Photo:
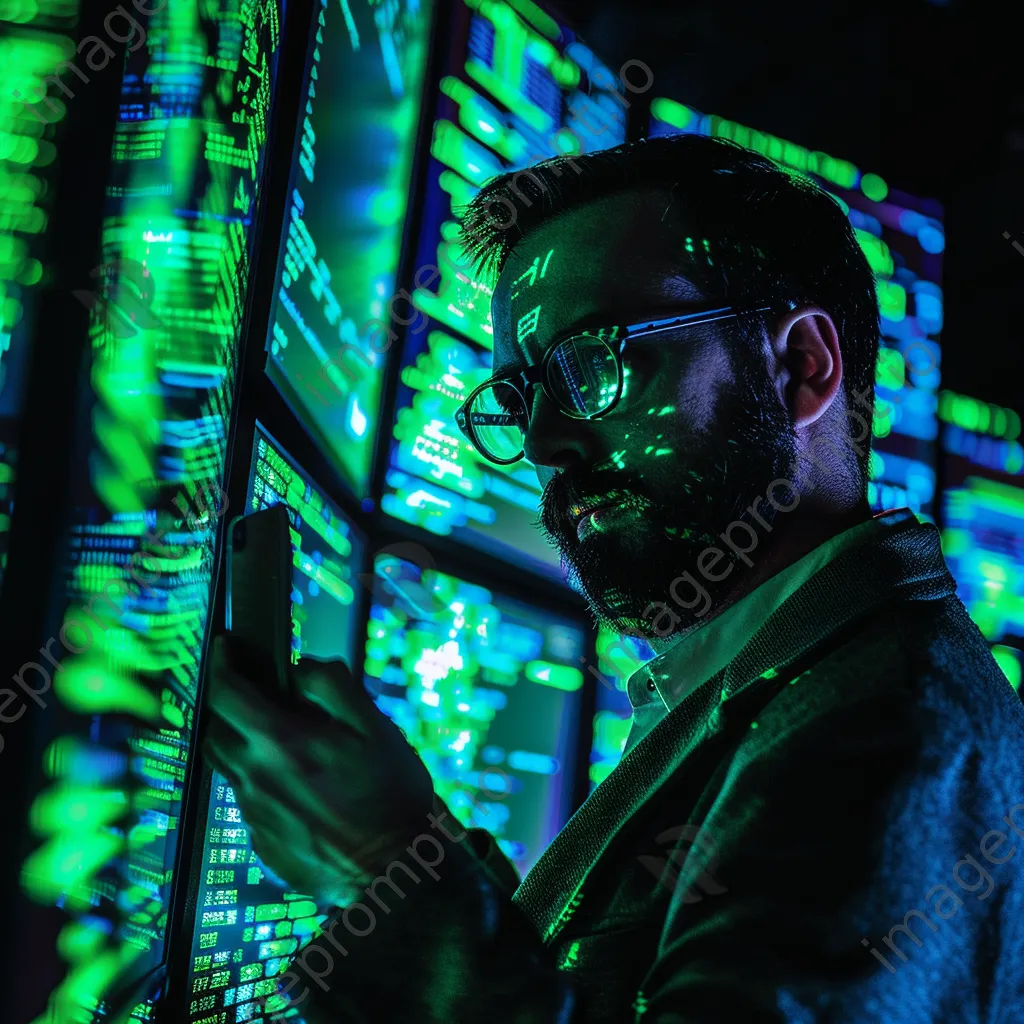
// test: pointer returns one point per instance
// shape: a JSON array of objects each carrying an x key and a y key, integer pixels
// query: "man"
[{"x": 818, "y": 809}]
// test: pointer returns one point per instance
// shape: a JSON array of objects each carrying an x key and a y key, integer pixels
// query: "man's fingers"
[
  {"x": 239, "y": 702},
  {"x": 332, "y": 686},
  {"x": 226, "y": 754}
]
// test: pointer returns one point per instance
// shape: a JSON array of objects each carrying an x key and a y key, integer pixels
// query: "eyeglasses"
[{"x": 582, "y": 374}]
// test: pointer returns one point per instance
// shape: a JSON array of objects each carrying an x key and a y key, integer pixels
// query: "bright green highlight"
[
  {"x": 874, "y": 187},
  {"x": 1009, "y": 660},
  {"x": 983, "y": 417},
  {"x": 892, "y": 300},
  {"x": 671, "y": 112},
  {"x": 561, "y": 677},
  {"x": 839, "y": 172},
  {"x": 877, "y": 252}
]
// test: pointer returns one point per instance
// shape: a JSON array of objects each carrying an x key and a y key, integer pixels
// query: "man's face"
[{"x": 632, "y": 498}]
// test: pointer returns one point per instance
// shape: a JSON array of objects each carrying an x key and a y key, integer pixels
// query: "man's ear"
[{"x": 806, "y": 344}]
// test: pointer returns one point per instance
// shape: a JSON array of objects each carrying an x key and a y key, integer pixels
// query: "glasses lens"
[
  {"x": 498, "y": 417},
  {"x": 583, "y": 375}
]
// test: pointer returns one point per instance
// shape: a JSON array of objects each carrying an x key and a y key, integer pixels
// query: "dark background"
[{"x": 929, "y": 95}]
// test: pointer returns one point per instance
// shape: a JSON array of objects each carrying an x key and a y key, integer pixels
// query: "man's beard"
[{"x": 628, "y": 571}]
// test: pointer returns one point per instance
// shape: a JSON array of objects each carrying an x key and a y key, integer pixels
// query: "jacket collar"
[{"x": 902, "y": 564}]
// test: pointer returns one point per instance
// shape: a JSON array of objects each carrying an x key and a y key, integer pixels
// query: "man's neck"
[{"x": 792, "y": 538}]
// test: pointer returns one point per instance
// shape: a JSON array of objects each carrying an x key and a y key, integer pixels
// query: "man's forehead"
[{"x": 611, "y": 258}]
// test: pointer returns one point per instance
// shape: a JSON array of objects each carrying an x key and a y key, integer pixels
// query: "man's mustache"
[{"x": 564, "y": 490}]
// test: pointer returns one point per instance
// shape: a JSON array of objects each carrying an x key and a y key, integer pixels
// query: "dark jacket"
[{"x": 854, "y": 775}]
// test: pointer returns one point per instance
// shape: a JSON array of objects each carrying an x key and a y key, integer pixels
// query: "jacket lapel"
[{"x": 905, "y": 564}]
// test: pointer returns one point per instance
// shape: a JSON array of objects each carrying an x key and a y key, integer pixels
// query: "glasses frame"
[{"x": 537, "y": 375}]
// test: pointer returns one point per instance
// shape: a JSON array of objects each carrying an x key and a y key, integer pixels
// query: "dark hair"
[{"x": 773, "y": 237}]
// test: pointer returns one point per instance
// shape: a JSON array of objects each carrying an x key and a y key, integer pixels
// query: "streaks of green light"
[
  {"x": 877, "y": 252},
  {"x": 454, "y": 148},
  {"x": 561, "y": 677},
  {"x": 65, "y": 865},
  {"x": 30, "y": 48},
  {"x": 671, "y": 112},
  {"x": 198, "y": 266},
  {"x": 892, "y": 300},
  {"x": 984, "y": 417},
  {"x": 90, "y": 685},
  {"x": 70, "y": 806},
  {"x": 535, "y": 16},
  {"x": 512, "y": 41},
  {"x": 998, "y": 497},
  {"x": 874, "y": 187},
  {"x": 839, "y": 172}
]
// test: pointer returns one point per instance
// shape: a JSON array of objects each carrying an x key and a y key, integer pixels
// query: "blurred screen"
[
  {"x": 342, "y": 241},
  {"x": 983, "y": 521},
  {"x": 168, "y": 303},
  {"x": 903, "y": 239},
  {"x": 487, "y": 690},
  {"x": 248, "y": 925},
  {"x": 617, "y": 659},
  {"x": 520, "y": 92}
]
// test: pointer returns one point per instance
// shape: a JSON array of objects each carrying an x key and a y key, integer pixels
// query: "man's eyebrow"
[{"x": 588, "y": 321}]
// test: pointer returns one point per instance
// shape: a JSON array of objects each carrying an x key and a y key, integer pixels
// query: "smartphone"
[{"x": 259, "y": 568}]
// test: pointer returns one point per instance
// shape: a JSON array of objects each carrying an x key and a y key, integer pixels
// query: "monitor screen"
[
  {"x": 982, "y": 519},
  {"x": 519, "y": 91},
  {"x": 342, "y": 241},
  {"x": 178, "y": 231},
  {"x": 488, "y": 691},
  {"x": 247, "y": 924},
  {"x": 903, "y": 239}
]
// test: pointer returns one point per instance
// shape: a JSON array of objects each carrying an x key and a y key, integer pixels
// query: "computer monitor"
[
  {"x": 982, "y": 520},
  {"x": 519, "y": 88},
  {"x": 488, "y": 691},
  {"x": 330, "y": 327},
  {"x": 178, "y": 230},
  {"x": 903, "y": 238},
  {"x": 247, "y": 924}
]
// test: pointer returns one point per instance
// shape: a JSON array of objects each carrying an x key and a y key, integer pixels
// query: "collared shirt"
[{"x": 684, "y": 662}]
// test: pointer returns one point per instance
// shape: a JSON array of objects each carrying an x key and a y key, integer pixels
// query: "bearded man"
[{"x": 816, "y": 815}]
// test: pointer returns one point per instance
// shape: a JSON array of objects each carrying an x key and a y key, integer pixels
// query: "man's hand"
[{"x": 331, "y": 790}]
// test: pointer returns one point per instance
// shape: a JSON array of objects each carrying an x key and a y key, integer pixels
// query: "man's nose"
[{"x": 554, "y": 441}]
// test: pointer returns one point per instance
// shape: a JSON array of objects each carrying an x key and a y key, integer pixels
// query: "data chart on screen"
[
  {"x": 330, "y": 331},
  {"x": 488, "y": 691}
]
